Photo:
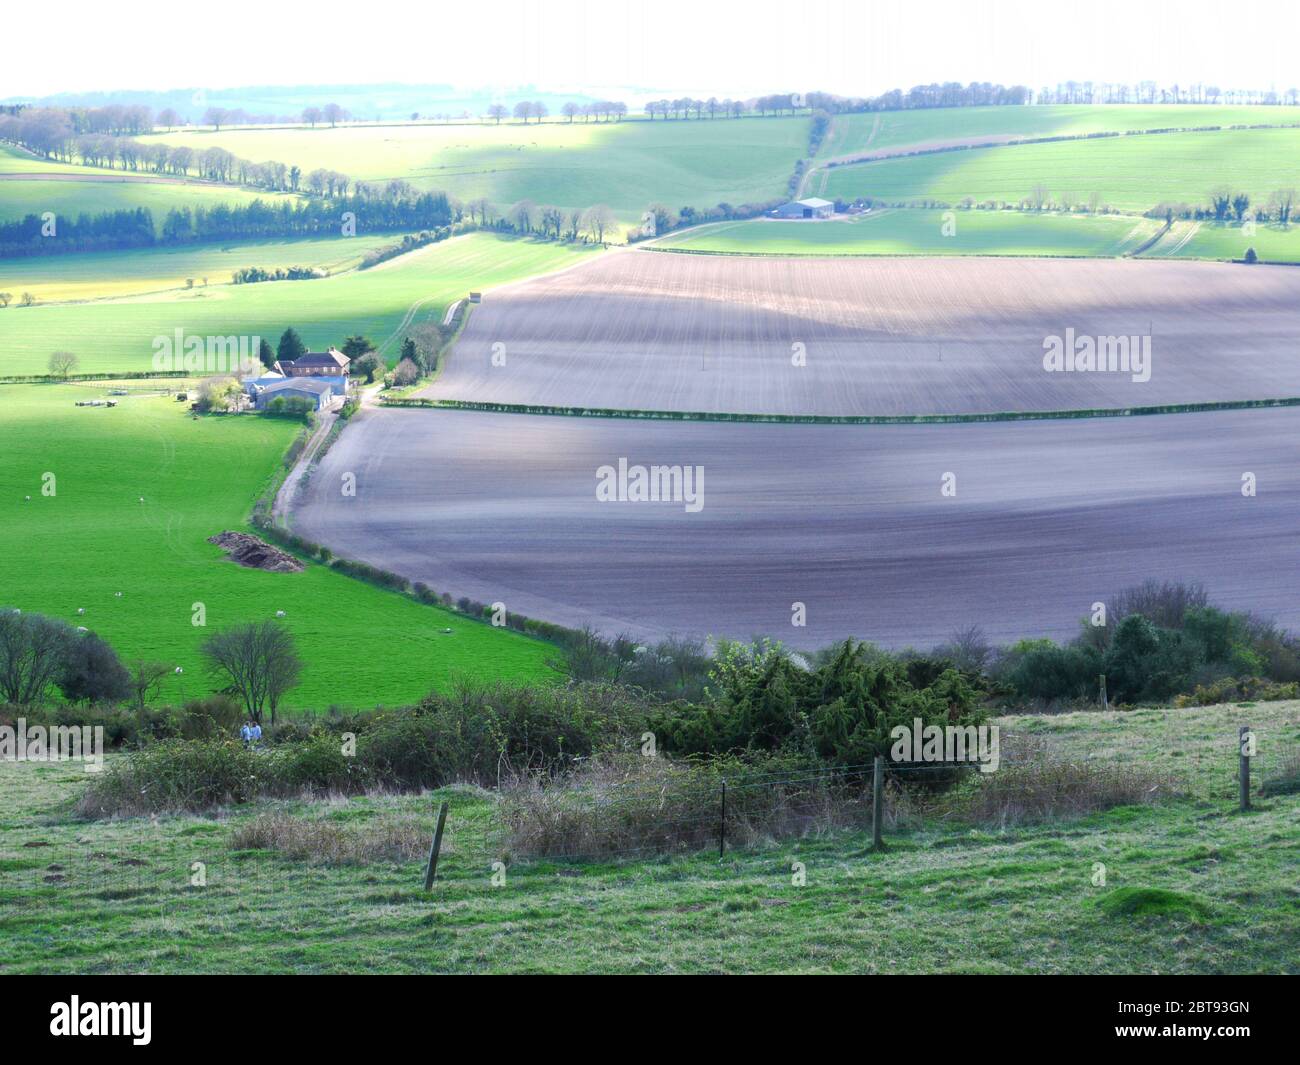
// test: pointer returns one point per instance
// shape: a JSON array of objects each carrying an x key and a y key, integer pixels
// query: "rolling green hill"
[
  {"x": 924, "y": 232},
  {"x": 93, "y": 192},
  {"x": 901, "y": 130},
  {"x": 108, "y": 274},
  {"x": 117, "y": 335},
  {"x": 626, "y": 165},
  {"x": 1130, "y": 173}
]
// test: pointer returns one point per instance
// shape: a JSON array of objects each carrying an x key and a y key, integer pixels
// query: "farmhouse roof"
[
  {"x": 813, "y": 201},
  {"x": 333, "y": 357}
]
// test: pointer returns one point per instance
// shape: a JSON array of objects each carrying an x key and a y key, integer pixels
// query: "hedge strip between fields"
[{"x": 840, "y": 419}]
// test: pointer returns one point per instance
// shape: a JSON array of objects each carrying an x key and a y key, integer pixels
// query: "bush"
[
  {"x": 216, "y": 717},
  {"x": 92, "y": 672},
  {"x": 630, "y": 805},
  {"x": 123, "y": 726},
  {"x": 1237, "y": 690},
  {"x": 475, "y": 734},
  {"x": 317, "y": 765},
  {"x": 479, "y": 734},
  {"x": 175, "y": 775},
  {"x": 841, "y": 711}
]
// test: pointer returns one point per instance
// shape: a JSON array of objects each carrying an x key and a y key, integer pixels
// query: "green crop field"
[
  {"x": 16, "y": 161},
  {"x": 626, "y": 165},
  {"x": 1220, "y": 240},
  {"x": 96, "y": 192},
  {"x": 901, "y": 130},
  {"x": 110, "y": 274},
  {"x": 1190, "y": 885},
  {"x": 925, "y": 232},
  {"x": 1129, "y": 173},
  {"x": 118, "y": 335},
  {"x": 139, "y": 489}
]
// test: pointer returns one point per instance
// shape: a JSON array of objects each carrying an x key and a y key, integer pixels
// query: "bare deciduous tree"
[
  {"x": 145, "y": 679},
  {"x": 259, "y": 660},
  {"x": 597, "y": 221},
  {"x": 62, "y": 363},
  {"x": 33, "y": 650}
]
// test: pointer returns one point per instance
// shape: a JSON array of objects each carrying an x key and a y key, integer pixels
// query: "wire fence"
[{"x": 625, "y": 816}]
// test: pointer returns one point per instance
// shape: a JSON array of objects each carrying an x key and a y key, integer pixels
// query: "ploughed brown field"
[
  {"x": 649, "y": 330},
  {"x": 1048, "y": 517}
]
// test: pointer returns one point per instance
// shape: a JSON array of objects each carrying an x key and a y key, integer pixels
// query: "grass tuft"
[{"x": 1152, "y": 902}]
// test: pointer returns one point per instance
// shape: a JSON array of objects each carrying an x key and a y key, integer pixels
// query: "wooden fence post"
[
  {"x": 722, "y": 824},
  {"x": 1243, "y": 766},
  {"x": 878, "y": 804},
  {"x": 435, "y": 848},
  {"x": 1105, "y": 701}
]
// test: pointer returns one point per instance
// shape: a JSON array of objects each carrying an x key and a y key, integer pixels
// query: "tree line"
[
  {"x": 1150, "y": 92},
  {"x": 111, "y": 230},
  {"x": 1226, "y": 204}
]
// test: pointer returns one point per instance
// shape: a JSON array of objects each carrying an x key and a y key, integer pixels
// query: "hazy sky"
[{"x": 702, "y": 47}]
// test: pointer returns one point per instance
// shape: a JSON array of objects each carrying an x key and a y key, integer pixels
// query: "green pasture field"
[
  {"x": 625, "y": 165},
  {"x": 138, "y": 490},
  {"x": 116, "y": 896},
  {"x": 110, "y": 274},
  {"x": 905, "y": 129},
  {"x": 922, "y": 232},
  {"x": 114, "y": 191},
  {"x": 1229, "y": 240},
  {"x": 117, "y": 335},
  {"x": 1127, "y": 173},
  {"x": 14, "y": 160}
]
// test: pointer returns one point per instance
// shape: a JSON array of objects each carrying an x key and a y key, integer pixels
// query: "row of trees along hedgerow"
[{"x": 259, "y": 219}]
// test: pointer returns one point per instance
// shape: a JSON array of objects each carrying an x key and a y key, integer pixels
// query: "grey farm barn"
[{"x": 810, "y": 208}]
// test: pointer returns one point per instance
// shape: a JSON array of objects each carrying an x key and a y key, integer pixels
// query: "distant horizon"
[
  {"x": 637, "y": 49},
  {"x": 291, "y": 95}
]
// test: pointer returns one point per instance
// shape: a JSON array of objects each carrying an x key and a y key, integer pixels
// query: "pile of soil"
[{"x": 256, "y": 554}]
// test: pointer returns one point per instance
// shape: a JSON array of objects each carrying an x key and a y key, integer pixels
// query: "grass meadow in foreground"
[
  {"x": 887, "y": 231},
  {"x": 1128, "y": 173},
  {"x": 140, "y": 488},
  {"x": 110, "y": 274},
  {"x": 381, "y": 303},
  {"x": 1191, "y": 885}
]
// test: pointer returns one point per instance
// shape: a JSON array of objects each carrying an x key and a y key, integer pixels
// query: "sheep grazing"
[{"x": 279, "y": 613}]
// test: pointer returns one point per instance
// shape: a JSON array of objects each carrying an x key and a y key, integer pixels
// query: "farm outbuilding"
[
  {"x": 318, "y": 393},
  {"x": 809, "y": 208}
]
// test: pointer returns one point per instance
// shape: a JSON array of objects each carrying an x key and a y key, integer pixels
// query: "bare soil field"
[
  {"x": 1048, "y": 517},
  {"x": 661, "y": 331}
]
